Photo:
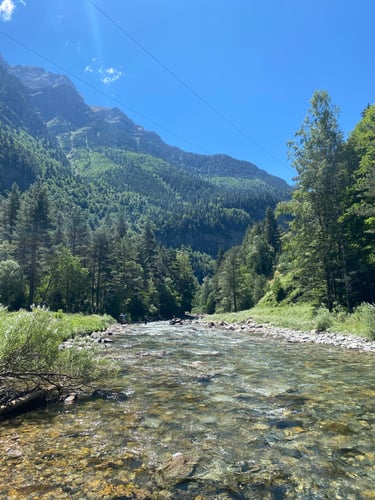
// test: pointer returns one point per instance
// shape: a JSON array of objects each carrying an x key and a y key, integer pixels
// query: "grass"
[
  {"x": 297, "y": 317},
  {"x": 74, "y": 325},
  {"x": 67, "y": 325},
  {"x": 305, "y": 317}
]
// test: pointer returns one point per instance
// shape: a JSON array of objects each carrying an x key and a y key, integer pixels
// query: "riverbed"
[{"x": 201, "y": 412}]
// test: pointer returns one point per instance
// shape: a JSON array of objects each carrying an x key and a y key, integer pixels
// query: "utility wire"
[
  {"x": 99, "y": 91},
  {"x": 183, "y": 83}
]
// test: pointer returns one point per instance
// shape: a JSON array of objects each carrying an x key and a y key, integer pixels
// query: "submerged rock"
[
  {"x": 109, "y": 395},
  {"x": 70, "y": 399},
  {"x": 177, "y": 469}
]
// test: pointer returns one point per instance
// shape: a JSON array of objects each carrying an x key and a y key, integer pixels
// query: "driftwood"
[{"x": 20, "y": 402}]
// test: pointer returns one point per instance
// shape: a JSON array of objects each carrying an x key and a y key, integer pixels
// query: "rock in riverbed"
[{"x": 177, "y": 469}]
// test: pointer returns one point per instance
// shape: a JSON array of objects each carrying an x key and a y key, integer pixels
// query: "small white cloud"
[
  {"x": 106, "y": 75},
  {"x": 110, "y": 75},
  {"x": 7, "y": 8}
]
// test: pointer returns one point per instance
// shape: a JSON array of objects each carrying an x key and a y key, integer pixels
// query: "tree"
[
  {"x": 271, "y": 231},
  {"x": 33, "y": 234},
  {"x": 360, "y": 214},
  {"x": 66, "y": 286},
  {"x": 127, "y": 288},
  {"x": 9, "y": 214},
  {"x": 11, "y": 285},
  {"x": 100, "y": 268},
  {"x": 229, "y": 280},
  {"x": 78, "y": 234},
  {"x": 317, "y": 203}
]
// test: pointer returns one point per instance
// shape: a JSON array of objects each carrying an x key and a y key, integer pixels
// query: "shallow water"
[{"x": 255, "y": 418}]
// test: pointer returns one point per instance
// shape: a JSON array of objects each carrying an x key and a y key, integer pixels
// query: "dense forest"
[
  {"x": 96, "y": 214},
  {"x": 326, "y": 253}
]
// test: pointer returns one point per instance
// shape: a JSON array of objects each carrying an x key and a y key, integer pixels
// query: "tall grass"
[
  {"x": 73, "y": 325},
  {"x": 305, "y": 317}
]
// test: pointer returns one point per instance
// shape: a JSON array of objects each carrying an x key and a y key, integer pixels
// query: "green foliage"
[
  {"x": 323, "y": 319},
  {"x": 328, "y": 252},
  {"x": 243, "y": 272},
  {"x": 66, "y": 284},
  {"x": 12, "y": 289},
  {"x": 31, "y": 357},
  {"x": 317, "y": 203},
  {"x": 364, "y": 315},
  {"x": 359, "y": 322}
]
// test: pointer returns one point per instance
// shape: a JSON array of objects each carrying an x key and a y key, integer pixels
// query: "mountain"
[{"x": 99, "y": 159}]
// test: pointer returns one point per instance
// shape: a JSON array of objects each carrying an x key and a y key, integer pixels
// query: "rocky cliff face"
[
  {"x": 55, "y": 98},
  {"x": 77, "y": 125},
  {"x": 16, "y": 107}
]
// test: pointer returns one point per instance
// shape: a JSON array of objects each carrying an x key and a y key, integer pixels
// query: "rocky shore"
[{"x": 316, "y": 337}]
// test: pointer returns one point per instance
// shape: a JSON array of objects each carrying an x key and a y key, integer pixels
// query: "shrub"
[
  {"x": 31, "y": 356},
  {"x": 366, "y": 315},
  {"x": 323, "y": 319}
]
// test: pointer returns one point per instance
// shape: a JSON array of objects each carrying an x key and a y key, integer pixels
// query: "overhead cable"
[
  {"x": 183, "y": 83},
  {"x": 99, "y": 91}
]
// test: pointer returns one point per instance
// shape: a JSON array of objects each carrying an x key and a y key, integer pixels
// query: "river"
[{"x": 204, "y": 413}]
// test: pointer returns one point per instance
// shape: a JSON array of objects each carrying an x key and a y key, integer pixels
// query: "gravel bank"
[{"x": 316, "y": 337}]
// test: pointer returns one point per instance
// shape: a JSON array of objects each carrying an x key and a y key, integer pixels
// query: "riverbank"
[{"x": 250, "y": 326}]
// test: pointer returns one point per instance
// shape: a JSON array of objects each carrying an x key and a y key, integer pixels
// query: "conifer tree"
[
  {"x": 317, "y": 203},
  {"x": 33, "y": 234}
]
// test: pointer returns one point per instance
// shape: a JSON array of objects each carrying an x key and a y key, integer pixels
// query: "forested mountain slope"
[{"x": 102, "y": 161}]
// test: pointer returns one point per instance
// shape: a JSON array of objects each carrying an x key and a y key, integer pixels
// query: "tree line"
[
  {"x": 322, "y": 251},
  {"x": 56, "y": 259},
  {"x": 62, "y": 247}
]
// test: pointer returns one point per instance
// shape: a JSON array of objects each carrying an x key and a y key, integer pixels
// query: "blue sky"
[{"x": 209, "y": 76}]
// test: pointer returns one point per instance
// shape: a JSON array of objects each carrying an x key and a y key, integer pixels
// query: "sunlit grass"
[
  {"x": 67, "y": 325},
  {"x": 73, "y": 325},
  {"x": 298, "y": 317},
  {"x": 305, "y": 317}
]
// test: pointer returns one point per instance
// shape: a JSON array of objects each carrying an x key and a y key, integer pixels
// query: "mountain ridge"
[
  {"x": 124, "y": 131},
  {"x": 100, "y": 160}
]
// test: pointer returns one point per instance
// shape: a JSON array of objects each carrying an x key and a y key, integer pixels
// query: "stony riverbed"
[
  {"x": 316, "y": 337},
  {"x": 200, "y": 411}
]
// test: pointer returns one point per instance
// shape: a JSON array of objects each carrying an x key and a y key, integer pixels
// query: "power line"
[
  {"x": 99, "y": 91},
  {"x": 183, "y": 83}
]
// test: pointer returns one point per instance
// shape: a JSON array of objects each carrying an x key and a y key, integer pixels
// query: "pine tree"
[
  {"x": 33, "y": 234},
  {"x": 317, "y": 203}
]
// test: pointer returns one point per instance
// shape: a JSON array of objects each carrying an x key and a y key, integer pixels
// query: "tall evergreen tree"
[
  {"x": 9, "y": 213},
  {"x": 229, "y": 280},
  {"x": 100, "y": 268},
  {"x": 360, "y": 213},
  {"x": 33, "y": 234},
  {"x": 317, "y": 203}
]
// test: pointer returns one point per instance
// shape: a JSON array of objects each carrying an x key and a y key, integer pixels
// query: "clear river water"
[{"x": 203, "y": 413}]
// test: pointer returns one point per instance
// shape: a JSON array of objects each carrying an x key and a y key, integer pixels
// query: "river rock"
[
  {"x": 347, "y": 341},
  {"x": 70, "y": 399},
  {"x": 109, "y": 395},
  {"x": 177, "y": 469}
]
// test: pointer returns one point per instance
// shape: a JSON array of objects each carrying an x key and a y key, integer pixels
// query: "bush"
[
  {"x": 323, "y": 319},
  {"x": 31, "y": 357},
  {"x": 366, "y": 316}
]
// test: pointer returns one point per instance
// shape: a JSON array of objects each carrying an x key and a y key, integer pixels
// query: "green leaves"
[{"x": 31, "y": 356}]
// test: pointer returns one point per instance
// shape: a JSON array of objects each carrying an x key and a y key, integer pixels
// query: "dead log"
[{"x": 36, "y": 396}]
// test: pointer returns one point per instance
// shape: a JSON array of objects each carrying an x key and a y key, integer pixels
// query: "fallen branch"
[{"x": 24, "y": 400}]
